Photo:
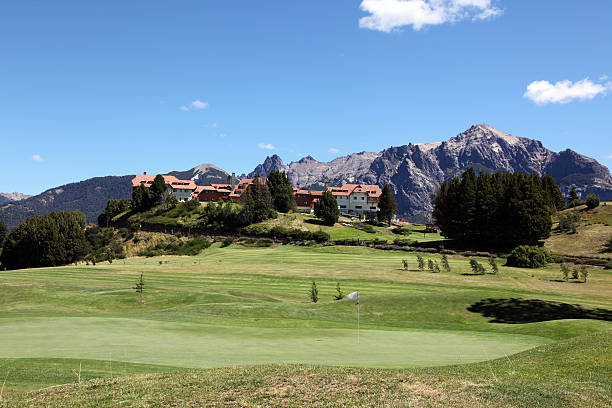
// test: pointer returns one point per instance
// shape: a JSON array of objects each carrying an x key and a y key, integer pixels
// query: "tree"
[
  {"x": 477, "y": 268},
  {"x": 574, "y": 200},
  {"x": 569, "y": 223},
  {"x": 387, "y": 207},
  {"x": 565, "y": 270},
  {"x": 57, "y": 238},
  {"x": 498, "y": 211},
  {"x": 140, "y": 284},
  {"x": 159, "y": 191},
  {"x": 314, "y": 292},
  {"x": 339, "y": 295},
  {"x": 436, "y": 267},
  {"x": 141, "y": 201},
  {"x": 592, "y": 201},
  {"x": 326, "y": 209},
  {"x": 553, "y": 193},
  {"x": 445, "y": 264},
  {"x": 420, "y": 262},
  {"x": 281, "y": 191},
  {"x": 113, "y": 208},
  {"x": 257, "y": 202},
  {"x": 405, "y": 263},
  {"x": 493, "y": 264},
  {"x": 3, "y": 234}
]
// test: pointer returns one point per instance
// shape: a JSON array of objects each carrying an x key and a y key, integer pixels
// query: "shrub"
[
  {"x": 405, "y": 263},
  {"x": 494, "y": 267},
  {"x": 584, "y": 273},
  {"x": 402, "y": 242},
  {"x": 401, "y": 230},
  {"x": 314, "y": 292},
  {"x": 565, "y": 270},
  {"x": 227, "y": 241},
  {"x": 608, "y": 265},
  {"x": 339, "y": 295},
  {"x": 569, "y": 222},
  {"x": 592, "y": 201},
  {"x": 477, "y": 267},
  {"x": 445, "y": 264},
  {"x": 420, "y": 262},
  {"x": 608, "y": 245},
  {"x": 436, "y": 268},
  {"x": 526, "y": 256},
  {"x": 430, "y": 265}
]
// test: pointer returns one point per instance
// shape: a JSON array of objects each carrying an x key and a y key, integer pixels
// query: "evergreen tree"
[
  {"x": 257, "y": 202},
  {"x": 326, "y": 209},
  {"x": 553, "y": 194},
  {"x": 592, "y": 201},
  {"x": 502, "y": 210},
  {"x": 386, "y": 205},
  {"x": 3, "y": 234},
  {"x": 574, "y": 200},
  {"x": 314, "y": 292},
  {"x": 281, "y": 191},
  {"x": 159, "y": 190},
  {"x": 57, "y": 238},
  {"x": 141, "y": 201},
  {"x": 445, "y": 263},
  {"x": 339, "y": 295},
  {"x": 113, "y": 208},
  {"x": 420, "y": 262}
]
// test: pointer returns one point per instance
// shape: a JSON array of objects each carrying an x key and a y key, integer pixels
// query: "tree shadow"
[
  {"x": 516, "y": 311},
  {"x": 314, "y": 221}
]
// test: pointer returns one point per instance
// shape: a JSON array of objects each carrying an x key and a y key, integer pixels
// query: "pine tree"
[
  {"x": 326, "y": 209},
  {"x": 314, "y": 292},
  {"x": 281, "y": 191},
  {"x": 339, "y": 295},
  {"x": 141, "y": 201},
  {"x": 445, "y": 263},
  {"x": 430, "y": 265},
  {"x": 257, "y": 202},
  {"x": 387, "y": 207},
  {"x": 553, "y": 194},
  {"x": 574, "y": 200},
  {"x": 494, "y": 267},
  {"x": 420, "y": 262},
  {"x": 158, "y": 191},
  {"x": 3, "y": 234}
]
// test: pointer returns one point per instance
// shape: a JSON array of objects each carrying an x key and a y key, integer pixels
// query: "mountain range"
[{"x": 414, "y": 171}]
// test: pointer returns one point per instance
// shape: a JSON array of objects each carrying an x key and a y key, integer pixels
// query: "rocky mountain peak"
[{"x": 272, "y": 163}]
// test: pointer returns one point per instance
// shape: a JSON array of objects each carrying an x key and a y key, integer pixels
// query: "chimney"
[
  {"x": 229, "y": 179},
  {"x": 145, "y": 173},
  {"x": 233, "y": 178}
]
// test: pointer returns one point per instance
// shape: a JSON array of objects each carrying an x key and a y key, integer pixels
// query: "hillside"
[
  {"x": 594, "y": 229},
  {"x": 89, "y": 196}
]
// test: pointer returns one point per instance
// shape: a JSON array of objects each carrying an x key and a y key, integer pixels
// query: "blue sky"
[{"x": 116, "y": 87}]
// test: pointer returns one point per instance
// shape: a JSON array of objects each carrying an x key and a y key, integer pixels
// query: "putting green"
[{"x": 198, "y": 345}]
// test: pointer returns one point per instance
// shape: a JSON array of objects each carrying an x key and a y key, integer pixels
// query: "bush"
[
  {"x": 401, "y": 230},
  {"x": 227, "y": 242},
  {"x": 477, "y": 268},
  {"x": 526, "y": 256},
  {"x": 608, "y": 265},
  {"x": 420, "y": 262},
  {"x": 569, "y": 222},
  {"x": 608, "y": 245},
  {"x": 592, "y": 201},
  {"x": 445, "y": 264}
]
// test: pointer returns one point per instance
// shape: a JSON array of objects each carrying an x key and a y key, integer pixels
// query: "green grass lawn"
[{"x": 240, "y": 306}]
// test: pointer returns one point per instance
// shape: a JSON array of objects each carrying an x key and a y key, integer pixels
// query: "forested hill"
[{"x": 89, "y": 196}]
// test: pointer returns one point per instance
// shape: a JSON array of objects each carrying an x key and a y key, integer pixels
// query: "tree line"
[{"x": 501, "y": 210}]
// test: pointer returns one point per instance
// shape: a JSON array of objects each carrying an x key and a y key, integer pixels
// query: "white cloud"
[
  {"x": 389, "y": 15},
  {"x": 542, "y": 92},
  {"x": 195, "y": 105},
  {"x": 333, "y": 150},
  {"x": 38, "y": 158},
  {"x": 266, "y": 146}
]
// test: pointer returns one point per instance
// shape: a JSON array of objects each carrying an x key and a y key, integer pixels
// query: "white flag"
[{"x": 353, "y": 296}]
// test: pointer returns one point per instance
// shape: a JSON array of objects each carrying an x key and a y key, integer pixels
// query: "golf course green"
[{"x": 239, "y": 306}]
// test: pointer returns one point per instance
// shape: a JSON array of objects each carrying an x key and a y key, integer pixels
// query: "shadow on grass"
[
  {"x": 534, "y": 310},
  {"x": 314, "y": 221}
]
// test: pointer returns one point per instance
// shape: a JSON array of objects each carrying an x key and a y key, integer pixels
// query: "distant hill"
[
  {"x": 414, "y": 171},
  {"x": 89, "y": 196}
]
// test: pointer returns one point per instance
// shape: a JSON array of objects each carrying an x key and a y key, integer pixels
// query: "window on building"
[
  {"x": 358, "y": 207},
  {"x": 343, "y": 206}
]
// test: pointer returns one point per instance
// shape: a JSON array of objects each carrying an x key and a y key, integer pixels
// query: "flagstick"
[{"x": 357, "y": 321}]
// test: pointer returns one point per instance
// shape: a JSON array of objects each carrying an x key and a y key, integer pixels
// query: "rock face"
[
  {"x": 203, "y": 175},
  {"x": 6, "y": 197},
  {"x": 415, "y": 171}
]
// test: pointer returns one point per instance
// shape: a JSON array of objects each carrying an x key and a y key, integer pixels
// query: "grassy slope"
[
  {"x": 339, "y": 231},
  {"x": 574, "y": 372},
  {"x": 594, "y": 230}
]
